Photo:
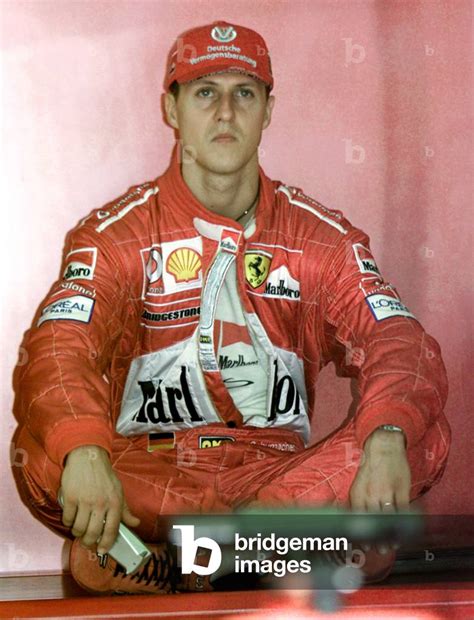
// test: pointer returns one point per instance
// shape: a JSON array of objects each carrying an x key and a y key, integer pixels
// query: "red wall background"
[{"x": 373, "y": 117}]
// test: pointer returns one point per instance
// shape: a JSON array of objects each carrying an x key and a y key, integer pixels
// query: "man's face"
[{"x": 220, "y": 119}]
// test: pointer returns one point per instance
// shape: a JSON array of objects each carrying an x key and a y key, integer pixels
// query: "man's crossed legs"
[{"x": 250, "y": 467}]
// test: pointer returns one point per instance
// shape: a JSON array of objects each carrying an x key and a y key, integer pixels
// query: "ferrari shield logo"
[{"x": 257, "y": 265}]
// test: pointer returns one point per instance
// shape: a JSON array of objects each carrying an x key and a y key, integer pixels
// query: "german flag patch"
[{"x": 160, "y": 441}]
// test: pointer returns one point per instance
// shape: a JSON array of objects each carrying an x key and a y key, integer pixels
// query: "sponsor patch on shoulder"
[
  {"x": 81, "y": 264},
  {"x": 384, "y": 307},
  {"x": 332, "y": 212},
  {"x": 365, "y": 260},
  {"x": 77, "y": 288},
  {"x": 76, "y": 308}
]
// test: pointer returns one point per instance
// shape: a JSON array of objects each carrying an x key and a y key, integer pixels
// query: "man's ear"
[
  {"x": 170, "y": 110},
  {"x": 268, "y": 111}
]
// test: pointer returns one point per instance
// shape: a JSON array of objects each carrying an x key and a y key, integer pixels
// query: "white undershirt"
[{"x": 245, "y": 376}]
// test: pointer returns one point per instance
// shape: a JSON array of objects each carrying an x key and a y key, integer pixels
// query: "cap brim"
[{"x": 191, "y": 76}]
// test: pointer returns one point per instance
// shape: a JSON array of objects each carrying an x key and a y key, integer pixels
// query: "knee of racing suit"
[
  {"x": 429, "y": 457},
  {"x": 38, "y": 480}
]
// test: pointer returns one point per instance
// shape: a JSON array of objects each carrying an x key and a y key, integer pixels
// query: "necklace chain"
[{"x": 237, "y": 219}]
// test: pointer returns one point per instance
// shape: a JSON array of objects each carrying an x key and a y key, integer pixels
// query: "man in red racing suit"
[{"x": 179, "y": 349}]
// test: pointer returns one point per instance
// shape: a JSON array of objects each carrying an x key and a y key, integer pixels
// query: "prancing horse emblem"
[{"x": 257, "y": 265}]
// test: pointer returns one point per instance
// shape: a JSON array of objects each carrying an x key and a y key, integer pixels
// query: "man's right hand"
[{"x": 93, "y": 500}]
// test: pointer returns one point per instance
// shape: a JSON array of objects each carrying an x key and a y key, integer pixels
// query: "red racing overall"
[{"x": 122, "y": 355}]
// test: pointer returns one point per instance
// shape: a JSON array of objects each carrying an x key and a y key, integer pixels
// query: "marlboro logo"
[{"x": 230, "y": 240}]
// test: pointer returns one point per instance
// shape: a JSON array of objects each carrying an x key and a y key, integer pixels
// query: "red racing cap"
[{"x": 216, "y": 48}]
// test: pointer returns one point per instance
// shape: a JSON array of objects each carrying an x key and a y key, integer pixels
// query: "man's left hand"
[{"x": 383, "y": 480}]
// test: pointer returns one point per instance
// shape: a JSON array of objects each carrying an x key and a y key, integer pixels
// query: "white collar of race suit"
[{"x": 213, "y": 231}]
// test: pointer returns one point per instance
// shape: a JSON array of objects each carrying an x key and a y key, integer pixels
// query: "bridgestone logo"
[
  {"x": 171, "y": 316},
  {"x": 281, "y": 290}
]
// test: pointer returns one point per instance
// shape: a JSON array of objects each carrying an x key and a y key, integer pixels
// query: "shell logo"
[{"x": 184, "y": 264}]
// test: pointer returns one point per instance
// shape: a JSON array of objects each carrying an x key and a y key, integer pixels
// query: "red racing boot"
[
  {"x": 159, "y": 575},
  {"x": 105, "y": 576},
  {"x": 378, "y": 566},
  {"x": 194, "y": 582},
  {"x": 374, "y": 566}
]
